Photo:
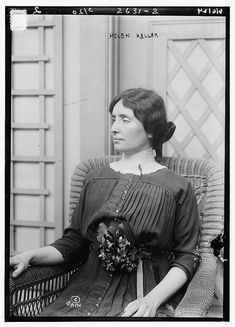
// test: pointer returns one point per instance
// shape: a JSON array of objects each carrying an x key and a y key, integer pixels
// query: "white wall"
[
  {"x": 134, "y": 53},
  {"x": 93, "y": 85},
  {"x": 84, "y": 93},
  {"x": 71, "y": 53}
]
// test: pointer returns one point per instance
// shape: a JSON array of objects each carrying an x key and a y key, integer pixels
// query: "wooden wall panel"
[
  {"x": 188, "y": 61},
  {"x": 37, "y": 128}
]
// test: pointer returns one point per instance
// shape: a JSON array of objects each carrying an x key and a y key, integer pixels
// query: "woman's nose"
[{"x": 115, "y": 127}]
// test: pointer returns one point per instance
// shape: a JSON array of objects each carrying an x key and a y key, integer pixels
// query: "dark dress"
[{"x": 161, "y": 211}]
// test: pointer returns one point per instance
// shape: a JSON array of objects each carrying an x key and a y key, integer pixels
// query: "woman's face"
[{"x": 128, "y": 133}]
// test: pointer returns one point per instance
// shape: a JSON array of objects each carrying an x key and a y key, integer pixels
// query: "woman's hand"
[
  {"x": 148, "y": 305},
  {"x": 141, "y": 307},
  {"x": 20, "y": 263},
  {"x": 47, "y": 255}
]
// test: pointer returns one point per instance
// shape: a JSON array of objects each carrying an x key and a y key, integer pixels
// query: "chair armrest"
[
  {"x": 36, "y": 287},
  {"x": 199, "y": 295},
  {"x": 34, "y": 275}
]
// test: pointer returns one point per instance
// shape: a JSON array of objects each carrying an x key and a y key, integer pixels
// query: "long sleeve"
[
  {"x": 73, "y": 246},
  {"x": 186, "y": 232}
]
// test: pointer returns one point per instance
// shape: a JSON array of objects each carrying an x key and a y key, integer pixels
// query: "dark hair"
[{"x": 149, "y": 109}]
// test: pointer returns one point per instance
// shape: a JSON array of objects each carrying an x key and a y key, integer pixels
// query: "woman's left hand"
[{"x": 141, "y": 307}]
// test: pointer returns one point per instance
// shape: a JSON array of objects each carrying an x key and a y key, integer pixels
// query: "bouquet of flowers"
[{"x": 116, "y": 249}]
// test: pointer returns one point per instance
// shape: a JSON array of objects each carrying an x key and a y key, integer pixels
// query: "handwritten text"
[{"x": 140, "y": 36}]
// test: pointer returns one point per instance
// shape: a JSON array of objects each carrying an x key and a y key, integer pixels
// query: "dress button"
[
  {"x": 100, "y": 298},
  {"x": 120, "y": 204},
  {"x": 125, "y": 192},
  {"x": 97, "y": 304},
  {"x": 88, "y": 313},
  {"x": 117, "y": 211}
]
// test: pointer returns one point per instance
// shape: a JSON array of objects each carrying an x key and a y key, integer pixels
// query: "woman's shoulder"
[
  {"x": 102, "y": 172},
  {"x": 170, "y": 175},
  {"x": 169, "y": 180}
]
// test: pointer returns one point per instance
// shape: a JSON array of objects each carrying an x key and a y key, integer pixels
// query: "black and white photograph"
[{"x": 117, "y": 163}]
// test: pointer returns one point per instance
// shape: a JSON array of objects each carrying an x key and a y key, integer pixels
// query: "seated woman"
[{"x": 130, "y": 214}]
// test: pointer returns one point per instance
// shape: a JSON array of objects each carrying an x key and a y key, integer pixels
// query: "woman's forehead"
[{"x": 120, "y": 109}]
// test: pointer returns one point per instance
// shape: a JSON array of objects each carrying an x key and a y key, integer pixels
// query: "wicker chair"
[{"x": 32, "y": 291}]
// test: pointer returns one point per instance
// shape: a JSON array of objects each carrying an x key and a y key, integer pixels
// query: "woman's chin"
[{"x": 118, "y": 148}]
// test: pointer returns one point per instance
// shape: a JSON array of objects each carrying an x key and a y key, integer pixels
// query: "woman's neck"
[
  {"x": 139, "y": 163},
  {"x": 143, "y": 157}
]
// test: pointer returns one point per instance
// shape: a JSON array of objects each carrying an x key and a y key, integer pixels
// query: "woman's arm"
[
  {"x": 147, "y": 306},
  {"x": 47, "y": 255},
  {"x": 71, "y": 246}
]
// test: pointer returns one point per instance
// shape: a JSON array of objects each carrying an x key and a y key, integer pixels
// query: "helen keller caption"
[{"x": 140, "y": 36}]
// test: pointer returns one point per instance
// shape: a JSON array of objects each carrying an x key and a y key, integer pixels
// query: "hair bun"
[{"x": 170, "y": 131}]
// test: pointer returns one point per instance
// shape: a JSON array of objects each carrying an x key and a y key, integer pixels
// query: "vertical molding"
[
  {"x": 12, "y": 196},
  {"x": 41, "y": 99},
  {"x": 112, "y": 72},
  {"x": 58, "y": 110}
]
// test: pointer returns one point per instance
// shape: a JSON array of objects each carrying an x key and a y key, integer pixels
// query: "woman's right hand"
[{"x": 20, "y": 263}]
